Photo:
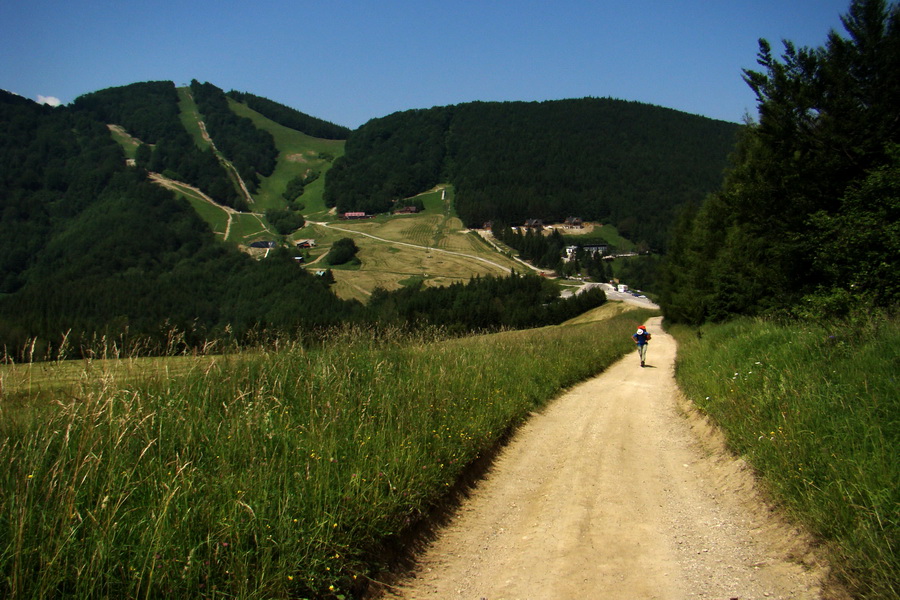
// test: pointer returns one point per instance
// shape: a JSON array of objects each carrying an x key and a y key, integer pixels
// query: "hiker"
[{"x": 641, "y": 337}]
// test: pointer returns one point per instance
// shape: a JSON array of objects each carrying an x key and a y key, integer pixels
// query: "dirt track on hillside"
[{"x": 615, "y": 492}]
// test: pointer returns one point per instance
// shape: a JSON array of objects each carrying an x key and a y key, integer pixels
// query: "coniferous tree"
[{"x": 824, "y": 142}]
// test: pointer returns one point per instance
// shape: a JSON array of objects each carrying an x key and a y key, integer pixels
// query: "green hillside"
[
  {"x": 298, "y": 155},
  {"x": 101, "y": 252},
  {"x": 605, "y": 160}
]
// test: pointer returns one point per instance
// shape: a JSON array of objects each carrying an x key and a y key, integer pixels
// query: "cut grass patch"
[{"x": 298, "y": 154}]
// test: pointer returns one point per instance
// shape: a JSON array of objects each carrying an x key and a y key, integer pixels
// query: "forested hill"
[
  {"x": 89, "y": 246},
  {"x": 94, "y": 256},
  {"x": 628, "y": 163}
]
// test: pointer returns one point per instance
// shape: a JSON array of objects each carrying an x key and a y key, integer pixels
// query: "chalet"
[
  {"x": 262, "y": 244},
  {"x": 534, "y": 224},
  {"x": 305, "y": 243},
  {"x": 406, "y": 210},
  {"x": 573, "y": 223},
  {"x": 355, "y": 215}
]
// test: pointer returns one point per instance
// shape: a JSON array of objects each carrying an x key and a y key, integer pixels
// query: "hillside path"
[{"x": 615, "y": 492}]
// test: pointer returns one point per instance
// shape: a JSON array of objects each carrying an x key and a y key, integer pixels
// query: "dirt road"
[{"x": 613, "y": 492}]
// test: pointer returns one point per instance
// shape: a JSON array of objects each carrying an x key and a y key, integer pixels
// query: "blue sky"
[{"x": 351, "y": 61}]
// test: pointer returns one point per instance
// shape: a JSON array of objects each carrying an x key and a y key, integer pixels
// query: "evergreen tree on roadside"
[{"x": 789, "y": 227}]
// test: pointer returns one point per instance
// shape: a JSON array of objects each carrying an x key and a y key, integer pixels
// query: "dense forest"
[
  {"x": 390, "y": 158},
  {"x": 91, "y": 247},
  {"x": 483, "y": 304},
  {"x": 808, "y": 218},
  {"x": 628, "y": 163},
  {"x": 150, "y": 112}
]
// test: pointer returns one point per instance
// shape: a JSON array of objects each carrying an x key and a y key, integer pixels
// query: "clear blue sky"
[{"x": 350, "y": 61}]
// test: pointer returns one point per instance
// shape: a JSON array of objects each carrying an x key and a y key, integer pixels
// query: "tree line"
[
  {"x": 601, "y": 159},
  {"x": 807, "y": 220},
  {"x": 291, "y": 117},
  {"x": 483, "y": 304},
  {"x": 547, "y": 252}
]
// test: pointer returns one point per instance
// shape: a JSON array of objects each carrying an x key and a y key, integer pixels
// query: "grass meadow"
[
  {"x": 273, "y": 473},
  {"x": 297, "y": 154},
  {"x": 432, "y": 247},
  {"x": 190, "y": 116},
  {"x": 815, "y": 408}
]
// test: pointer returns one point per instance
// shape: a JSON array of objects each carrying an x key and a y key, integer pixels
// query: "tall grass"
[
  {"x": 816, "y": 409},
  {"x": 267, "y": 474}
]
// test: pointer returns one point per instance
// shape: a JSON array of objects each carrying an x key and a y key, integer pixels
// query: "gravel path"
[{"x": 614, "y": 491}]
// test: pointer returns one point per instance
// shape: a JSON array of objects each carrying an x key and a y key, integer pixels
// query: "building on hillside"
[
  {"x": 406, "y": 210},
  {"x": 573, "y": 223},
  {"x": 534, "y": 224},
  {"x": 262, "y": 244},
  {"x": 597, "y": 248},
  {"x": 355, "y": 215},
  {"x": 592, "y": 249},
  {"x": 305, "y": 243}
]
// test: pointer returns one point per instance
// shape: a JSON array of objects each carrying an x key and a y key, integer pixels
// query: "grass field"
[
  {"x": 815, "y": 408},
  {"x": 603, "y": 234},
  {"x": 297, "y": 154},
  {"x": 261, "y": 474},
  {"x": 431, "y": 246},
  {"x": 190, "y": 117}
]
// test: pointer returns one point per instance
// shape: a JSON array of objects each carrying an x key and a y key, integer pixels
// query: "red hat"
[{"x": 641, "y": 327}]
